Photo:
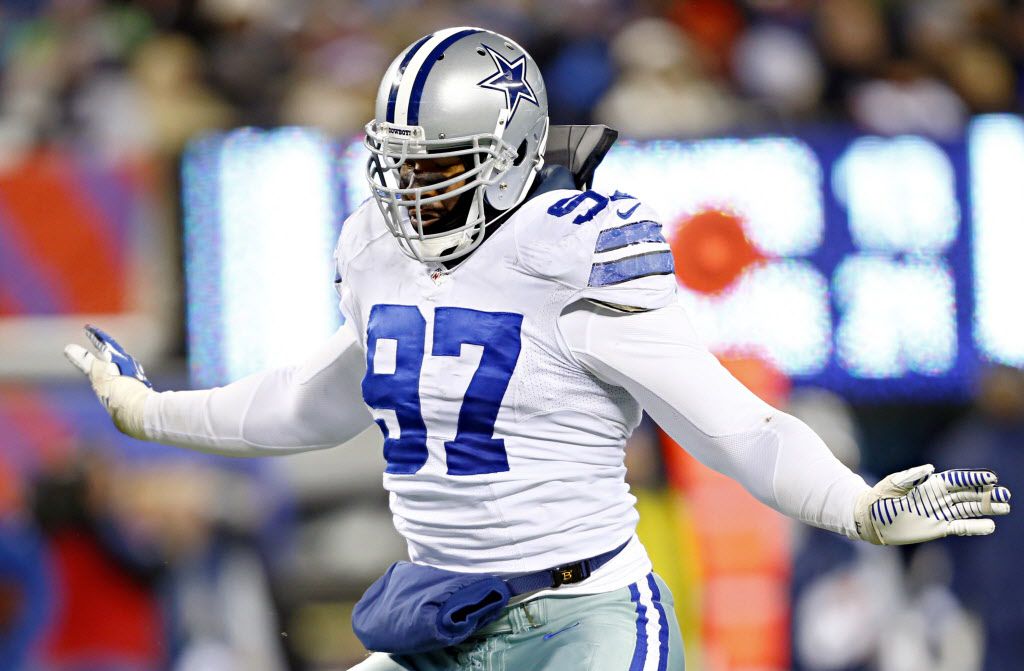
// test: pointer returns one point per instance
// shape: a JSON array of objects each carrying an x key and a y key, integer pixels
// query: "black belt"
[{"x": 561, "y": 575}]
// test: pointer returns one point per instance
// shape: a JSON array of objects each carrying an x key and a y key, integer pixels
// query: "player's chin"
[
  {"x": 435, "y": 222},
  {"x": 426, "y": 222}
]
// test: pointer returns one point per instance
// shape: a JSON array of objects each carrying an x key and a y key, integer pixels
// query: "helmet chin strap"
[
  {"x": 444, "y": 243},
  {"x": 457, "y": 240},
  {"x": 451, "y": 245}
]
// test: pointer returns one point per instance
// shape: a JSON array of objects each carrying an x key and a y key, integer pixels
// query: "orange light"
[{"x": 711, "y": 250}]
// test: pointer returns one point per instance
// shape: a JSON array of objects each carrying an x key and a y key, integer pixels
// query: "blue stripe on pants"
[
  {"x": 662, "y": 625},
  {"x": 640, "y": 651}
]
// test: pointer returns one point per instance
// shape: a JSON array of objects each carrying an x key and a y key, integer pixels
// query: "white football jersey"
[{"x": 504, "y": 454}]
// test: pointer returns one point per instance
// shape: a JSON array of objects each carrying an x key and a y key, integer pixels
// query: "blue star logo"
[{"x": 510, "y": 79}]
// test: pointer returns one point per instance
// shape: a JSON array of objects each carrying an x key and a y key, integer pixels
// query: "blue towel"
[{"x": 415, "y": 608}]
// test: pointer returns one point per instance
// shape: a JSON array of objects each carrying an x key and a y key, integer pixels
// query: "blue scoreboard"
[{"x": 882, "y": 266}]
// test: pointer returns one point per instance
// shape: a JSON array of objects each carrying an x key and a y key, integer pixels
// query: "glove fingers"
[
  {"x": 112, "y": 352},
  {"x": 980, "y": 494},
  {"x": 975, "y": 495},
  {"x": 96, "y": 337},
  {"x": 996, "y": 501},
  {"x": 962, "y": 511},
  {"x": 80, "y": 357},
  {"x": 981, "y": 527},
  {"x": 962, "y": 478},
  {"x": 999, "y": 509},
  {"x": 108, "y": 341}
]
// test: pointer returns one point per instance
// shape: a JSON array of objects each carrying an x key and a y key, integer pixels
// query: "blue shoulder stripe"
[
  {"x": 630, "y": 234},
  {"x": 396, "y": 82},
  {"x": 631, "y": 268},
  {"x": 428, "y": 64}
]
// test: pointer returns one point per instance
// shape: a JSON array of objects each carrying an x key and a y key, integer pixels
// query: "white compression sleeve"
[
  {"x": 658, "y": 358},
  {"x": 314, "y": 405}
]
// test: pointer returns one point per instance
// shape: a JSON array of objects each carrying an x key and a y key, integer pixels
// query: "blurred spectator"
[
  {"x": 852, "y": 37},
  {"x": 336, "y": 74},
  {"x": 249, "y": 61},
  {"x": 855, "y": 606},
  {"x": 906, "y": 100},
  {"x": 142, "y": 566},
  {"x": 660, "y": 90},
  {"x": 779, "y": 67},
  {"x": 982, "y": 75},
  {"x": 838, "y": 605},
  {"x": 927, "y": 626},
  {"x": 25, "y": 592},
  {"x": 993, "y": 435},
  {"x": 177, "y": 104},
  {"x": 127, "y": 77},
  {"x": 713, "y": 26},
  {"x": 571, "y": 97},
  {"x": 106, "y": 611}
]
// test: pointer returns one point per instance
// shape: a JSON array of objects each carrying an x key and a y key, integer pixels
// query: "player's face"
[{"x": 424, "y": 172}]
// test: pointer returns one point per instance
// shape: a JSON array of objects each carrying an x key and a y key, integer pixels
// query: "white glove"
[
  {"x": 116, "y": 377},
  {"x": 920, "y": 505}
]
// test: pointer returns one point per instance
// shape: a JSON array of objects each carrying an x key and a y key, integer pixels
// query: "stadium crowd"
[{"x": 145, "y": 76}]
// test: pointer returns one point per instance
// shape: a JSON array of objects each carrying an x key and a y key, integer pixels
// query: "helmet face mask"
[
  {"x": 439, "y": 101},
  {"x": 402, "y": 202}
]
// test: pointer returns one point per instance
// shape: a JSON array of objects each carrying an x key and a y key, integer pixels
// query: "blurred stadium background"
[{"x": 841, "y": 182}]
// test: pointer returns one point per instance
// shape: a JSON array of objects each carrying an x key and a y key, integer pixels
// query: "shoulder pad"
[{"x": 609, "y": 247}]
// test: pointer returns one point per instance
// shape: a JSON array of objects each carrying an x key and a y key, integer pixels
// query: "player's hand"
[
  {"x": 117, "y": 379},
  {"x": 919, "y": 505}
]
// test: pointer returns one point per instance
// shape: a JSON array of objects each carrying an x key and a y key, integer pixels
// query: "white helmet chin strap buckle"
[
  {"x": 453, "y": 244},
  {"x": 457, "y": 241}
]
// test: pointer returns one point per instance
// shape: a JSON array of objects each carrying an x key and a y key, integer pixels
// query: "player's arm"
[
  {"x": 314, "y": 405},
  {"x": 657, "y": 357}
]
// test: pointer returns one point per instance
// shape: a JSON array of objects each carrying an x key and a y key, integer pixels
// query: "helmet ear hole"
[{"x": 520, "y": 153}]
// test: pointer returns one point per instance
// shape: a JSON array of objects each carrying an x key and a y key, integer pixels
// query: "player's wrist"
[
  {"x": 863, "y": 528},
  {"x": 127, "y": 405}
]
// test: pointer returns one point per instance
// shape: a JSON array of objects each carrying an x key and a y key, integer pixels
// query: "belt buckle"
[{"x": 570, "y": 574}]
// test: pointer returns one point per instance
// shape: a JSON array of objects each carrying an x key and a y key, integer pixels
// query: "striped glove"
[
  {"x": 920, "y": 505},
  {"x": 116, "y": 377}
]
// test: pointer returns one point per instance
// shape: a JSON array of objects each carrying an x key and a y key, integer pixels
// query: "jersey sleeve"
[
  {"x": 610, "y": 248},
  {"x": 658, "y": 358},
  {"x": 313, "y": 405}
]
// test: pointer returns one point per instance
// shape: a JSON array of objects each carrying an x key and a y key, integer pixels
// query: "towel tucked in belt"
[{"x": 416, "y": 608}]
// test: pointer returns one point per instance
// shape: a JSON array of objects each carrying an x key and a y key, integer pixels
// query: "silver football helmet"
[{"x": 466, "y": 94}]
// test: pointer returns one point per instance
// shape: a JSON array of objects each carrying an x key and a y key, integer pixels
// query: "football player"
[{"x": 504, "y": 330}]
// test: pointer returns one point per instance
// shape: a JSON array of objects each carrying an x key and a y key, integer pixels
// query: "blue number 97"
[{"x": 474, "y": 450}]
